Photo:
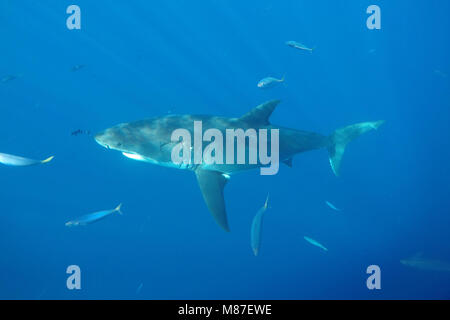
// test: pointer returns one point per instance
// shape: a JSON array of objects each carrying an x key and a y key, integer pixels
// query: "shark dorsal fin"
[{"x": 261, "y": 113}]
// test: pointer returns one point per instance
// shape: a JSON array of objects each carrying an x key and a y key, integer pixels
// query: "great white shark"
[{"x": 150, "y": 141}]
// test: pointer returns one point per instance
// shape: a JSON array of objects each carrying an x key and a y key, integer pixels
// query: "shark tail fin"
[
  {"x": 341, "y": 137},
  {"x": 48, "y": 159},
  {"x": 118, "y": 209}
]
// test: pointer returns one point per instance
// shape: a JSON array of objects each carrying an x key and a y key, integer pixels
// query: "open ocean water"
[{"x": 138, "y": 59}]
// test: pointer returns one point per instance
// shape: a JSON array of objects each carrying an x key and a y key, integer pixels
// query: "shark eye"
[{"x": 119, "y": 144}]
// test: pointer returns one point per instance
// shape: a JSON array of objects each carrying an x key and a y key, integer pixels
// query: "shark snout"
[
  {"x": 110, "y": 139},
  {"x": 100, "y": 139}
]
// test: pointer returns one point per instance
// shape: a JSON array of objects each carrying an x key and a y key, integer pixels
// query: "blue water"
[{"x": 149, "y": 58}]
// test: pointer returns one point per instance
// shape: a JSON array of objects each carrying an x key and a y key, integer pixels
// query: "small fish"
[
  {"x": 440, "y": 73},
  {"x": 332, "y": 206},
  {"x": 269, "y": 82},
  {"x": 297, "y": 45},
  {"x": 79, "y": 131},
  {"x": 418, "y": 262},
  {"x": 138, "y": 290},
  {"x": 11, "y": 160},
  {"x": 77, "y": 67},
  {"x": 256, "y": 228},
  {"x": 8, "y": 78},
  {"x": 315, "y": 243},
  {"x": 93, "y": 217}
]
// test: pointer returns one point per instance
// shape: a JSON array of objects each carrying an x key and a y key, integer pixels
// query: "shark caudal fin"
[{"x": 341, "y": 137}]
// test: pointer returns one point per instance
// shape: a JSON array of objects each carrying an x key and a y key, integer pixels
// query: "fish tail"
[
  {"x": 266, "y": 204},
  {"x": 48, "y": 159},
  {"x": 284, "y": 77},
  {"x": 341, "y": 137},
  {"x": 118, "y": 208}
]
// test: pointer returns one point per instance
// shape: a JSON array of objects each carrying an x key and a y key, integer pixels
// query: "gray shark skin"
[{"x": 150, "y": 141}]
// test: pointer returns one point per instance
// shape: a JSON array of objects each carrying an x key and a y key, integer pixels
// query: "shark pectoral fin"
[{"x": 211, "y": 184}]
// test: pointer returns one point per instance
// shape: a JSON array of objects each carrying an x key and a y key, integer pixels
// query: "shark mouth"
[{"x": 104, "y": 145}]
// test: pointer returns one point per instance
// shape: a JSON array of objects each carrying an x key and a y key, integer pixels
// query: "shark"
[
  {"x": 419, "y": 262},
  {"x": 150, "y": 141}
]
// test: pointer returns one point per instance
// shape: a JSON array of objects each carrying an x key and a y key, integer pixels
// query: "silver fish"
[
  {"x": 440, "y": 73},
  {"x": 8, "y": 78},
  {"x": 256, "y": 228},
  {"x": 418, "y": 262},
  {"x": 297, "y": 45},
  {"x": 269, "y": 82},
  {"x": 77, "y": 67},
  {"x": 332, "y": 206},
  {"x": 138, "y": 290},
  {"x": 93, "y": 217},
  {"x": 12, "y": 160},
  {"x": 315, "y": 243}
]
